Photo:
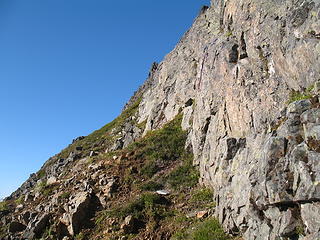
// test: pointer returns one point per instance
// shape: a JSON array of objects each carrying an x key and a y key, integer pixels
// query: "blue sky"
[{"x": 67, "y": 67}]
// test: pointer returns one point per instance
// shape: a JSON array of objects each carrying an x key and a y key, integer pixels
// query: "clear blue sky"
[{"x": 68, "y": 66}]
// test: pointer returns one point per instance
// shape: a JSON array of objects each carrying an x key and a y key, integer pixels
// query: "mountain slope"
[{"x": 244, "y": 83}]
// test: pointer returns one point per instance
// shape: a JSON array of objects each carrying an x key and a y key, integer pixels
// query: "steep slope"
[{"x": 244, "y": 80}]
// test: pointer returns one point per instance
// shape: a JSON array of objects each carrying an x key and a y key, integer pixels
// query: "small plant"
[
  {"x": 300, "y": 231},
  {"x": 296, "y": 96},
  {"x": 79, "y": 236},
  {"x": 148, "y": 206}
]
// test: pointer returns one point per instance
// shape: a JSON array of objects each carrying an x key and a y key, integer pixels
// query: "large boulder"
[{"x": 79, "y": 211}]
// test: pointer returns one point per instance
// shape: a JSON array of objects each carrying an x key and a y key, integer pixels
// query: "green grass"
[
  {"x": 210, "y": 229},
  {"x": 19, "y": 200},
  {"x": 296, "y": 96},
  {"x": 146, "y": 206},
  {"x": 185, "y": 175},
  {"x": 202, "y": 195},
  {"x": 3, "y": 206},
  {"x": 161, "y": 147},
  {"x": 65, "y": 195},
  {"x": 41, "y": 173},
  {"x": 45, "y": 189},
  {"x": 165, "y": 144},
  {"x": 151, "y": 186},
  {"x": 3, "y": 231}
]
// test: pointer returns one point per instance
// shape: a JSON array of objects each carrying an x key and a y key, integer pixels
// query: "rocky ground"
[
  {"x": 148, "y": 190},
  {"x": 241, "y": 89}
]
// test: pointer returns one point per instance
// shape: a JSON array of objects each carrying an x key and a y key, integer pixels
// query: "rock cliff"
[{"x": 245, "y": 81}]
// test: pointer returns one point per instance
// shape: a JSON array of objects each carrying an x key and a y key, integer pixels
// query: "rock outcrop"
[{"x": 245, "y": 78}]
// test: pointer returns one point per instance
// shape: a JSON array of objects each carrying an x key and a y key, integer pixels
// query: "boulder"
[
  {"x": 79, "y": 212},
  {"x": 310, "y": 214}
]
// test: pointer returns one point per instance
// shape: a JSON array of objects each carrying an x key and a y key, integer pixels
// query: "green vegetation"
[
  {"x": 202, "y": 195},
  {"x": 296, "y": 96},
  {"x": 161, "y": 147},
  {"x": 185, "y": 175},
  {"x": 148, "y": 205},
  {"x": 210, "y": 229},
  {"x": 166, "y": 144},
  {"x": 151, "y": 186},
  {"x": 45, "y": 189},
  {"x": 19, "y": 200},
  {"x": 3, "y": 206},
  {"x": 41, "y": 173},
  {"x": 79, "y": 236},
  {"x": 65, "y": 195},
  {"x": 300, "y": 230},
  {"x": 3, "y": 231},
  {"x": 159, "y": 160}
]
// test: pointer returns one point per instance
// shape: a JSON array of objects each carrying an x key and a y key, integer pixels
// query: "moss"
[
  {"x": 139, "y": 206},
  {"x": 300, "y": 231},
  {"x": 150, "y": 169},
  {"x": 46, "y": 190}
]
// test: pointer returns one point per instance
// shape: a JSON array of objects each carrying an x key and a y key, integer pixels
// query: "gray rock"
[
  {"x": 78, "y": 212},
  {"x": 310, "y": 214}
]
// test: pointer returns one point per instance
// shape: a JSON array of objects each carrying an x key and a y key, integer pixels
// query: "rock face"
[
  {"x": 239, "y": 63},
  {"x": 231, "y": 76}
]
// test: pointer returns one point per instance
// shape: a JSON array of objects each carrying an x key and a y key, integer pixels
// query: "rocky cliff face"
[{"x": 245, "y": 78}]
